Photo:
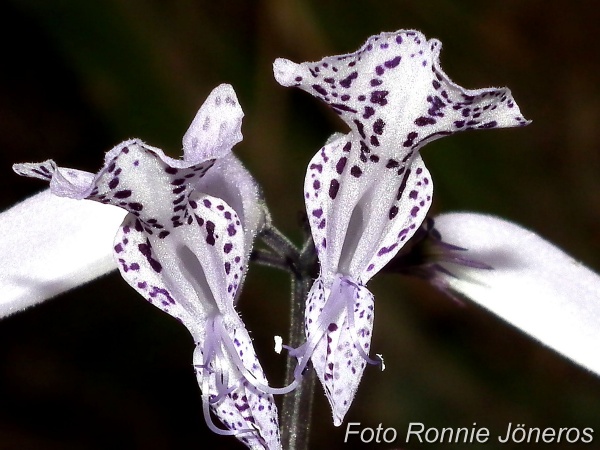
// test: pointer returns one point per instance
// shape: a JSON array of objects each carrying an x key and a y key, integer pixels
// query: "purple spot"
[
  {"x": 379, "y": 97},
  {"x": 422, "y": 121},
  {"x": 392, "y": 62},
  {"x": 123, "y": 194},
  {"x": 318, "y": 167},
  {"x": 368, "y": 112},
  {"x": 356, "y": 171},
  {"x": 378, "y": 126},
  {"x": 210, "y": 229},
  {"x": 319, "y": 89},
  {"x": 341, "y": 164},
  {"x": 334, "y": 186},
  {"x": 385, "y": 250},
  {"x": 146, "y": 250},
  {"x": 360, "y": 127},
  {"x": 346, "y": 82}
]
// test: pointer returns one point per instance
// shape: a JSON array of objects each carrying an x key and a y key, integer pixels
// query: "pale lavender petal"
[
  {"x": 533, "y": 285},
  {"x": 53, "y": 244},
  {"x": 216, "y": 127}
]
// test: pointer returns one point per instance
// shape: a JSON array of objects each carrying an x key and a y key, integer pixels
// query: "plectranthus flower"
[
  {"x": 184, "y": 246},
  {"x": 515, "y": 274},
  {"x": 368, "y": 191}
]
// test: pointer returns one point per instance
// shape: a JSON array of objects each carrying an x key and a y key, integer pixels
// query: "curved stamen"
[
  {"x": 350, "y": 304},
  {"x": 223, "y": 336},
  {"x": 206, "y": 402}
]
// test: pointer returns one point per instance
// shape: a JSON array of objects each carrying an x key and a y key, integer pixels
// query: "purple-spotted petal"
[
  {"x": 339, "y": 323},
  {"x": 191, "y": 269},
  {"x": 394, "y": 95},
  {"x": 216, "y": 127},
  {"x": 230, "y": 181},
  {"x": 363, "y": 207}
]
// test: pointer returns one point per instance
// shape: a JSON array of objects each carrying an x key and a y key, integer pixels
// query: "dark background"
[{"x": 99, "y": 368}]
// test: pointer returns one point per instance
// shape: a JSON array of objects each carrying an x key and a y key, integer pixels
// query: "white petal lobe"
[
  {"x": 534, "y": 285},
  {"x": 51, "y": 245}
]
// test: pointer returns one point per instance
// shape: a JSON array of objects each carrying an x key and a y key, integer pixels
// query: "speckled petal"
[
  {"x": 339, "y": 324},
  {"x": 216, "y": 127},
  {"x": 230, "y": 181},
  {"x": 198, "y": 259},
  {"x": 363, "y": 207},
  {"x": 394, "y": 95}
]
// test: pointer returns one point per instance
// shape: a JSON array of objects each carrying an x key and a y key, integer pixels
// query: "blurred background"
[{"x": 99, "y": 368}]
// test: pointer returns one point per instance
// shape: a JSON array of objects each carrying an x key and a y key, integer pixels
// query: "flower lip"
[{"x": 393, "y": 90}]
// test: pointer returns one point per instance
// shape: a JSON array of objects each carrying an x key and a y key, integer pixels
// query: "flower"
[
  {"x": 368, "y": 191},
  {"x": 529, "y": 282},
  {"x": 184, "y": 245}
]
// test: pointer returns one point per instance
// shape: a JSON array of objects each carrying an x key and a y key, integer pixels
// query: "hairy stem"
[{"x": 296, "y": 411}]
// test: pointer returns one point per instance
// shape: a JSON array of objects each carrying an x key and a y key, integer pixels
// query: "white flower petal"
[
  {"x": 52, "y": 244},
  {"x": 534, "y": 285},
  {"x": 216, "y": 128},
  {"x": 393, "y": 93},
  {"x": 230, "y": 181},
  {"x": 361, "y": 213}
]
